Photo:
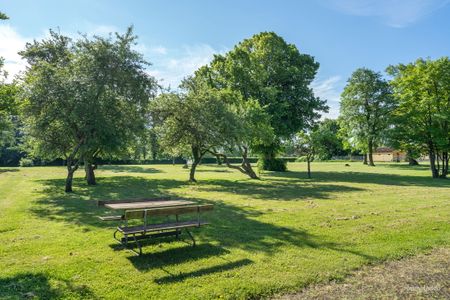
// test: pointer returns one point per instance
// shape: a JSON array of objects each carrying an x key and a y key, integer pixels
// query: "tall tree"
[
  {"x": 84, "y": 98},
  {"x": 306, "y": 145},
  {"x": 328, "y": 141},
  {"x": 249, "y": 127},
  {"x": 366, "y": 105},
  {"x": 3, "y": 16},
  {"x": 422, "y": 90},
  {"x": 273, "y": 72},
  {"x": 192, "y": 123}
]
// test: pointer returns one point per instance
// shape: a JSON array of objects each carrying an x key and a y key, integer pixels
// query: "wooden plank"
[
  {"x": 111, "y": 218},
  {"x": 104, "y": 202},
  {"x": 148, "y": 204},
  {"x": 178, "y": 210},
  {"x": 158, "y": 227}
]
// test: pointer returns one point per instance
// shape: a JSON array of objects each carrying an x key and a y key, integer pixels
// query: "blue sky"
[{"x": 179, "y": 36}]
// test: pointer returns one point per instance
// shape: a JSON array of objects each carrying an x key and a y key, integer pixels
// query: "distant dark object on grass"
[{"x": 347, "y": 165}]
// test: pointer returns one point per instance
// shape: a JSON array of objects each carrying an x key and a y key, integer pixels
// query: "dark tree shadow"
[
  {"x": 174, "y": 256},
  {"x": 8, "y": 170},
  {"x": 421, "y": 167},
  {"x": 129, "y": 169},
  {"x": 171, "y": 278},
  {"x": 232, "y": 227},
  {"x": 37, "y": 286},
  {"x": 361, "y": 177},
  {"x": 273, "y": 189},
  {"x": 80, "y": 207}
]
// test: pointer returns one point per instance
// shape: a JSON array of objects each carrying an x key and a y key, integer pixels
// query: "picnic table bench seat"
[
  {"x": 148, "y": 230},
  {"x": 111, "y": 218},
  {"x": 159, "y": 227}
]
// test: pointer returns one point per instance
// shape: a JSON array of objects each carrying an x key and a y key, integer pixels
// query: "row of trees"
[
  {"x": 90, "y": 98},
  {"x": 410, "y": 112}
]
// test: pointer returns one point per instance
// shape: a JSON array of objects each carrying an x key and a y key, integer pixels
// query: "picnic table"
[
  {"x": 146, "y": 210},
  {"x": 147, "y": 204}
]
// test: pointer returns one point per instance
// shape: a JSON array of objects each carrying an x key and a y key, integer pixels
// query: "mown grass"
[{"x": 269, "y": 236}]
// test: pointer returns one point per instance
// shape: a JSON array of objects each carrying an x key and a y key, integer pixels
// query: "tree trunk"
[
  {"x": 247, "y": 166},
  {"x": 432, "y": 155},
  {"x": 370, "y": 146},
  {"x": 412, "y": 161},
  {"x": 445, "y": 160},
  {"x": 192, "y": 171},
  {"x": 90, "y": 175},
  {"x": 309, "y": 167},
  {"x": 69, "y": 181},
  {"x": 365, "y": 159},
  {"x": 197, "y": 155}
]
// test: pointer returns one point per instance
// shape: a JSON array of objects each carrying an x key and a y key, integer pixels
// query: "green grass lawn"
[{"x": 277, "y": 234}]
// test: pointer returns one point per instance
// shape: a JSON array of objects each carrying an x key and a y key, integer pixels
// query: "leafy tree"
[
  {"x": 195, "y": 122},
  {"x": 366, "y": 105},
  {"x": 422, "y": 116},
  {"x": 3, "y": 16},
  {"x": 306, "y": 145},
  {"x": 328, "y": 141},
  {"x": 84, "y": 98},
  {"x": 251, "y": 127},
  {"x": 273, "y": 72}
]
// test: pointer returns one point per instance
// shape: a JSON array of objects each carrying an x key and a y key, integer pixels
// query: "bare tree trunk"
[
  {"x": 445, "y": 160},
  {"x": 245, "y": 167},
  {"x": 365, "y": 159},
  {"x": 309, "y": 167},
  {"x": 70, "y": 171},
  {"x": 432, "y": 155},
  {"x": 192, "y": 171},
  {"x": 370, "y": 146},
  {"x": 90, "y": 175},
  {"x": 197, "y": 154}
]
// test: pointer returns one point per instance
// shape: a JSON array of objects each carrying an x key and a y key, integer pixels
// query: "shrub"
[
  {"x": 26, "y": 162},
  {"x": 276, "y": 164}
]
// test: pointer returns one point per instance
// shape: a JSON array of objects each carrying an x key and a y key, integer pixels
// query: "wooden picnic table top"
[{"x": 148, "y": 204}]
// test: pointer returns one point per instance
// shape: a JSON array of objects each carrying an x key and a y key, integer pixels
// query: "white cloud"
[
  {"x": 175, "y": 65},
  {"x": 11, "y": 43},
  {"x": 329, "y": 89},
  {"x": 395, "y": 13}
]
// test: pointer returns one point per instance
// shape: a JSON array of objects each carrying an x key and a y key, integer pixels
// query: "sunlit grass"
[{"x": 277, "y": 234}]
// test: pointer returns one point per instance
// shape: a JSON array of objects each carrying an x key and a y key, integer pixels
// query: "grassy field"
[{"x": 269, "y": 236}]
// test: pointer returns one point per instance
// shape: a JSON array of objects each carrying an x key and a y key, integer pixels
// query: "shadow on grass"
[
  {"x": 232, "y": 227},
  {"x": 175, "y": 256},
  {"x": 74, "y": 207},
  {"x": 276, "y": 189},
  {"x": 171, "y": 278},
  {"x": 8, "y": 170},
  {"x": 421, "y": 167},
  {"x": 129, "y": 169},
  {"x": 359, "y": 177},
  {"x": 37, "y": 286}
]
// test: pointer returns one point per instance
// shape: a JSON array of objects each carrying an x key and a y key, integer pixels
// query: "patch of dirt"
[{"x": 425, "y": 276}]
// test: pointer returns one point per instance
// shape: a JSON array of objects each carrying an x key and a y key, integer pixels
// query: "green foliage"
[
  {"x": 422, "y": 118},
  {"x": 366, "y": 106},
  {"x": 86, "y": 97},
  {"x": 270, "y": 236},
  {"x": 26, "y": 162},
  {"x": 274, "y": 73},
  {"x": 276, "y": 164},
  {"x": 3, "y": 16},
  {"x": 327, "y": 140}
]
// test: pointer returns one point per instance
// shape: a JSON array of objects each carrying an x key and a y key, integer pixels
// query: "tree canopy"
[
  {"x": 366, "y": 105},
  {"x": 422, "y": 117},
  {"x": 85, "y": 97},
  {"x": 274, "y": 73}
]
